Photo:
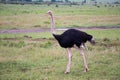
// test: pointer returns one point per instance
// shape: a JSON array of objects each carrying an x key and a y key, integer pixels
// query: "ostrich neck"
[{"x": 52, "y": 24}]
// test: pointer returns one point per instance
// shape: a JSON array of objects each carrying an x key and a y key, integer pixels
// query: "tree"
[
  {"x": 66, "y": 0},
  {"x": 53, "y": 0}
]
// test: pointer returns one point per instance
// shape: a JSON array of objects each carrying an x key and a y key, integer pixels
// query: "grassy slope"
[
  {"x": 34, "y": 16},
  {"x": 43, "y": 59}
]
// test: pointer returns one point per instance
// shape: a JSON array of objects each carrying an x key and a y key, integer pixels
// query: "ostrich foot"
[
  {"x": 67, "y": 72},
  {"x": 86, "y": 70}
]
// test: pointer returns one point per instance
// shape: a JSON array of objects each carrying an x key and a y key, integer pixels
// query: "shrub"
[
  {"x": 106, "y": 39},
  {"x": 46, "y": 45}
]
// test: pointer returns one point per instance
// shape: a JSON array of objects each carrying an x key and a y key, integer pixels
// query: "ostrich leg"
[
  {"x": 84, "y": 60},
  {"x": 69, "y": 61}
]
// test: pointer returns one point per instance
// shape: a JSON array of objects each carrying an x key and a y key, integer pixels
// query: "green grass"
[
  {"x": 44, "y": 59},
  {"x": 61, "y": 10},
  {"x": 22, "y": 35},
  {"x": 34, "y": 16},
  {"x": 111, "y": 34},
  {"x": 37, "y": 56}
]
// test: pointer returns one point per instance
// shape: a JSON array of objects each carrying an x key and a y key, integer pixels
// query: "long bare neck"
[{"x": 52, "y": 25}]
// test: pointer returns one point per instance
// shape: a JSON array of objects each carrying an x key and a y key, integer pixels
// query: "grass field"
[
  {"x": 34, "y": 16},
  {"x": 41, "y": 58},
  {"x": 37, "y": 56}
]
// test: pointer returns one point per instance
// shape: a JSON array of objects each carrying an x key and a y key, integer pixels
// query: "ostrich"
[{"x": 69, "y": 39}]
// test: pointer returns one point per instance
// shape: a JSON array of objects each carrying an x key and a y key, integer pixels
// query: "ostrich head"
[{"x": 50, "y": 12}]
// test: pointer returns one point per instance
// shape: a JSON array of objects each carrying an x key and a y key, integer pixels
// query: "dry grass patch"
[
  {"x": 23, "y": 21},
  {"x": 38, "y": 21}
]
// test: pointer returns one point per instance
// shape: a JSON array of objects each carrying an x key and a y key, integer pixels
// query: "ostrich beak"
[{"x": 47, "y": 12}]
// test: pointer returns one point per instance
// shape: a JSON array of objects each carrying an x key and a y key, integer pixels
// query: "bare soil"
[{"x": 48, "y": 29}]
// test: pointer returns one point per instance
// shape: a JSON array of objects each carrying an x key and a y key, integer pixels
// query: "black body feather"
[{"x": 72, "y": 37}]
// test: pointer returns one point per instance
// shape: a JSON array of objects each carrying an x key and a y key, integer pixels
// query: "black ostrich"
[{"x": 72, "y": 38}]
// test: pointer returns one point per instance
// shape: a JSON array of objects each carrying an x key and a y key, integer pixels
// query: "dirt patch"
[{"x": 48, "y": 29}]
